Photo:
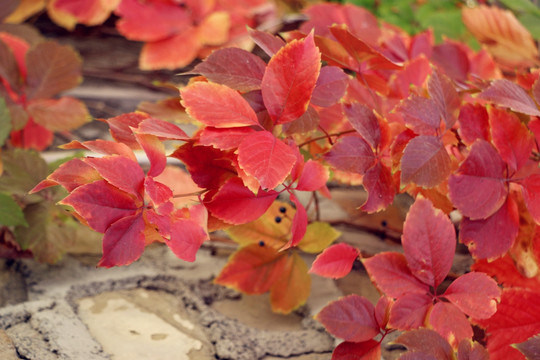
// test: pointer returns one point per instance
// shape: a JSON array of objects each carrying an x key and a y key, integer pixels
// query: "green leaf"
[
  {"x": 50, "y": 232},
  {"x": 23, "y": 169},
  {"x": 445, "y": 22},
  {"x": 521, "y": 6},
  {"x": 5, "y": 121},
  {"x": 531, "y": 22},
  {"x": 318, "y": 237},
  {"x": 10, "y": 212}
]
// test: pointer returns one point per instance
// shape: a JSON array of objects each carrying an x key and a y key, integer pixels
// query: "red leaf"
[
  {"x": 314, "y": 176},
  {"x": 266, "y": 158},
  {"x": 299, "y": 224},
  {"x": 335, "y": 262},
  {"x": 530, "y": 348},
  {"x": 425, "y": 162},
  {"x": 155, "y": 152},
  {"x": 101, "y": 204},
  {"x": 351, "y": 154},
  {"x": 517, "y": 319},
  {"x": 409, "y": 311},
  {"x": 380, "y": 186},
  {"x": 32, "y": 136},
  {"x": 330, "y": 86},
  {"x": 306, "y": 123},
  {"x": 382, "y": 311},
  {"x": 253, "y": 269},
  {"x": 478, "y": 188},
  {"x": 209, "y": 168},
  {"x": 531, "y": 194},
  {"x": 224, "y": 139},
  {"x": 452, "y": 59},
  {"x": 123, "y": 242},
  {"x": 367, "y": 350},
  {"x": 119, "y": 171},
  {"x": 390, "y": 273},
  {"x": 187, "y": 235},
  {"x": 360, "y": 21},
  {"x": 450, "y": 322},
  {"x": 469, "y": 350},
  {"x": 150, "y": 21},
  {"x": 217, "y": 105},
  {"x": 289, "y": 80},
  {"x": 492, "y": 237},
  {"x": 233, "y": 67},
  {"x": 70, "y": 175},
  {"x": 505, "y": 271},
  {"x": 360, "y": 50},
  {"x": 172, "y": 52},
  {"x": 421, "y": 114},
  {"x": 429, "y": 242},
  {"x": 428, "y": 342},
  {"x": 104, "y": 147},
  {"x": 476, "y": 294},
  {"x": 351, "y": 318},
  {"x": 511, "y": 137},
  {"x": 473, "y": 123},
  {"x": 505, "y": 93},
  {"x": 236, "y": 204},
  {"x": 414, "y": 72},
  {"x": 443, "y": 92},
  {"x": 121, "y": 126},
  {"x": 292, "y": 287},
  {"x": 162, "y": 129},
  {"x": 365, "y": 122},
  {"x": 158, "y": 193},
  {"x": 269, "y": 43}
]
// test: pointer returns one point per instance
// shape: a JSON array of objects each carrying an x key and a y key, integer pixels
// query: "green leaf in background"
[
  {"x": 521, "y": 6},
  {"x": 23, "y": 169},
  {"x": 10, "y": 212},
  {"x": 531, "y": 22},
  {"x": 47, "y": 239},
  {"x": 5, "y": 121}
]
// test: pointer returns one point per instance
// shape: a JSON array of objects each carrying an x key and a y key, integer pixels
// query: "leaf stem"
[{"x": 326, "y": 136}]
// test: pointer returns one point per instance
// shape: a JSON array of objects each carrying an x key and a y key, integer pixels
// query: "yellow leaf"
[
  {"x": 318, "y": 237},
  {"x": 25, "y": 9},
  {"x": 292, "y": 288},
  {"x": 266, "y": 230}
]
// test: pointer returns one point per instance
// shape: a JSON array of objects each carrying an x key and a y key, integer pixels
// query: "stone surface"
[
  {"x": 7, "y": 348},
  {"x": 127, "y": 331}
]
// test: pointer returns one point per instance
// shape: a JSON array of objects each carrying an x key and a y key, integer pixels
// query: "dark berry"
[
  {"x": 283, "y": 209},
  {"x": 261, "y": 243},
  {"x": 384, "y": 223},
  {"x": 277, "y": 219}
]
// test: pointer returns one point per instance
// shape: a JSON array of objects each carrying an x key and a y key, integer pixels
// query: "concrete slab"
[{"x": 158, "y": 308}]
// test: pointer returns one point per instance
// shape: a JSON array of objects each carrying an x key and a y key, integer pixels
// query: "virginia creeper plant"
[{"x": 346, "y": 99}]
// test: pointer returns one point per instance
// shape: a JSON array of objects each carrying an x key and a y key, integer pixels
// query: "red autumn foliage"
[{"x": 435, "y": 121}]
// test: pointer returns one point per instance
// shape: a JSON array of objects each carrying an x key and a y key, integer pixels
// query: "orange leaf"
[
  {"x": 502, "y": 34},
  {"x": 253, "y": 269},
  {"x": 62, "y": 114},
  {"x": 292, "y": 288},
  {"x": 214, "y": 29},
  {"x": 171, "y": 53},
  {"x": 67, "y": 13}
]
